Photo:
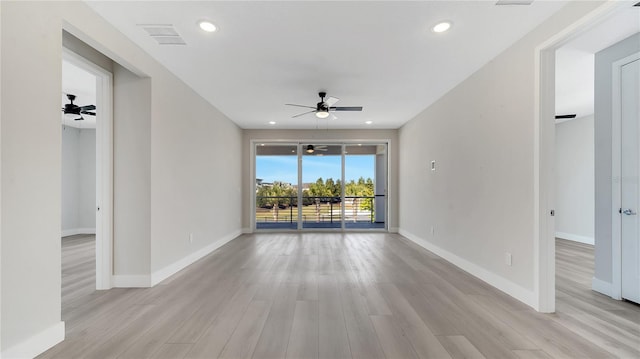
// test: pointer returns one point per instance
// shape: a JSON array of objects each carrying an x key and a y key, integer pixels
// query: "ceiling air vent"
[
  {"x": 514, "y": 2},
  {"x": 163, "y": 34}
]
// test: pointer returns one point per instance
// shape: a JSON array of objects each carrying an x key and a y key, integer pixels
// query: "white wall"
[
  {"x": 196, "y": 177},
  {"x": 31, "y": 176},
  {"x": 70, "y": 179},
  {"x": 298, "y": 135},
  {"x": 131, "y": 176},
  {"x": 189, "y": 142},
  {"x": 480, "y": 199},
  {"x": 78, "y": 47},
  {"x": 575, "y": 197},
  {"x": 1, "y": 187},
  {"x": 78, "y": 180},
  {"x": 87, "y": 159},
  {"x": 603, "y": 156}
]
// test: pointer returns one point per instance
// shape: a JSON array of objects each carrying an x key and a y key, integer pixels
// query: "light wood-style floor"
[{"x": 322, "y": 295}]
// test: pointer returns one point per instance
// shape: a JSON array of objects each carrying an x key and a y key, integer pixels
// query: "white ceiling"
[
  {"x": 381, "y": 55},
  {"x": 81, "y": 83},
  {"x": 575, "y": 65}
]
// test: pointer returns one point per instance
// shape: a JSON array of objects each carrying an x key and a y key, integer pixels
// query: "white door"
[{"x": 630, "y": 171}]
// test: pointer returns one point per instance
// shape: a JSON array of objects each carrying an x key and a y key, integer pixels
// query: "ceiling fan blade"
[
  {"x": 331, "y": 101},
  {"x": 87, "y": 108},
  {"x": 88, "y": 113},
  {"x": 560, "y": 117},
  {"x": 352, "y": 108},
  {"x": 291, "y": 104},
  {"x": 302, "y": 114}
]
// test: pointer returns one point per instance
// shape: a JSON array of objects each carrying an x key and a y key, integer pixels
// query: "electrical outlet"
[
  {"x": 433, "y": 165},
  {"x": 190, "y": 237},
  {"x": 508, "y": 260}
]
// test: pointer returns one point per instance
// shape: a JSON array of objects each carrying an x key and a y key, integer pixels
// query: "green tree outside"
[
  {"x": 279, "y": 195},
  {"x": 276, "y": 194}
]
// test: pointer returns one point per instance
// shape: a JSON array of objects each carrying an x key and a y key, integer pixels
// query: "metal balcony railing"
[{"x": 318, "y": 209}]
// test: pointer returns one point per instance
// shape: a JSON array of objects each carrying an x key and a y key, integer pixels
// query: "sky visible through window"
[{"x": 284, "y": 168}]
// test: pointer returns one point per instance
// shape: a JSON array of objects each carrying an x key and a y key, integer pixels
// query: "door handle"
[{"x": 629, "y": 212}]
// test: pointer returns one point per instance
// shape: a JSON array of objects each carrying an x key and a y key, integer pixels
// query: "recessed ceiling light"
[
  {"x": 369, "y": 122},
  {"x": 272, "y": 122},
  {"x": 207, "y": 26},
  {"x": 442, "y": 27}
]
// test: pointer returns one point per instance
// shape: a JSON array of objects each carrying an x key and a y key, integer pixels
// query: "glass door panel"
[
  {"x": 365, "y": 186},
  {"x": 321, "y": 186},
  {"x": 276, "y": 186}
]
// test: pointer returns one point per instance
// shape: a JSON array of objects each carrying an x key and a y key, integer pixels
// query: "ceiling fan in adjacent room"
[
  {"x": 566, "y": 117},
  {"x": 73, "y": 109},
  {"x": 323, "y": 107},
  {"x": 311, "y": 148}
]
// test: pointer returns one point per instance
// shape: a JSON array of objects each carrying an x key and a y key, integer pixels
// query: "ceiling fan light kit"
[{"x": 322, "y": 114}]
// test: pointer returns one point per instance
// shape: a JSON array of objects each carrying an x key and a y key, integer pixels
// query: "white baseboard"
[
  {"x": 166, "y": 272},
  {"x": 394, "y": 230},
  {"x": 601, "y": 286},
  {"x": 74, "y": 231},
  {"x": 37, "y": 344},
  {"x": 131, "y": 281},
  {"x": 575, "y": 238},
  {"x": 247, "y": 230},
  {"x": 522, "y": 294}
]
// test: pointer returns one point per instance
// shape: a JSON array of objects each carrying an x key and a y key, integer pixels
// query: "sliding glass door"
[
  {"x": 320, "y": 186},
  {"x": 365, "y": 185},
  {"x": 276, "y": 200}
]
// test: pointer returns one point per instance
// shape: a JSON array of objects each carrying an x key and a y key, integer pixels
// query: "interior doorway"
[
  {"x": 87, "y": 194},
  {"x": 312, "y": 185},
  {"x": 598, "y": 30},
  {"x": 78, "y": 182}
]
